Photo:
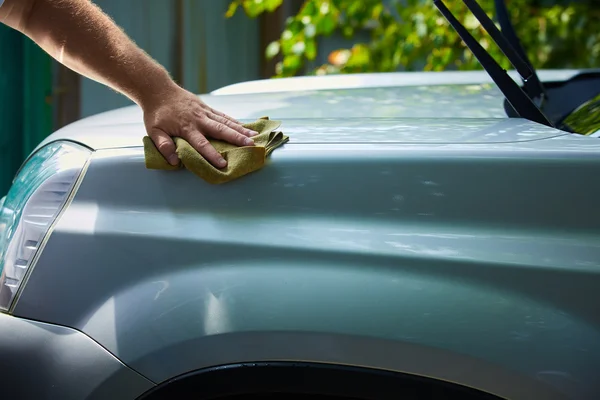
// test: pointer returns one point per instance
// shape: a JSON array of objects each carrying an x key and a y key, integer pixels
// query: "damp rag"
[{"x": 240, "y": 160}]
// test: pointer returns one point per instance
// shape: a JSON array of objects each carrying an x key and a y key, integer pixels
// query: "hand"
[{"x": 180, "y": 113}]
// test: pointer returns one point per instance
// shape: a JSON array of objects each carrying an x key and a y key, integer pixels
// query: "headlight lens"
[{"x": 32, "y": 205}]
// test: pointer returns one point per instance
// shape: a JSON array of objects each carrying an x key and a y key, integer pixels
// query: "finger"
[
  {"x": 218, "y": 130},
  {"x": 165, "y": 145},
  {"x": 222, "y": 114},
  {"x": 203, "y": 146},
  {"x": 236, "y": 127}
]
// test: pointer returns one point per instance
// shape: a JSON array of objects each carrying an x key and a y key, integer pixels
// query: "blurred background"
[{"x": 208, "y": 44}]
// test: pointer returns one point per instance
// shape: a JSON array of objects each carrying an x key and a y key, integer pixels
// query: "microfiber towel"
[{"x": 240, "y": 160}]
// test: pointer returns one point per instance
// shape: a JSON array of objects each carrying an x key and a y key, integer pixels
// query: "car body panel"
[
  {"x": 332, "y": 101},
  {"x": 46, "y": 362},
  {"x": 407, "y": 225},
  {"x": 354, "y": 131},
  {"x": 468, "y": 250},
  {"x": 330, "y": 107},
  {"x": 385, "y": 79}
]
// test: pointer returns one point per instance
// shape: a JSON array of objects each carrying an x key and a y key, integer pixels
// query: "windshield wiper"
[
  {"x": 518, "y": 99},
  {"x": 533, "y": 85}
]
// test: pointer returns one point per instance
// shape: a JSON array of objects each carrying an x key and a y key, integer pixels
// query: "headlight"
[{"x": 34, "y": 202}]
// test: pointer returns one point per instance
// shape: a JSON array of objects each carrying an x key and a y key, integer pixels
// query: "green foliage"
[
  {"x": 253, "y": 7},
  {"x": 413, "y": 35}
]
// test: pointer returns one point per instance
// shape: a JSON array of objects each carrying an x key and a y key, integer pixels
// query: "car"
[{"x": 418, "y": 237}]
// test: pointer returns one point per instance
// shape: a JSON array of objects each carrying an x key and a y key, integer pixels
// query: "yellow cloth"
[{"x": 240, "y": 160}]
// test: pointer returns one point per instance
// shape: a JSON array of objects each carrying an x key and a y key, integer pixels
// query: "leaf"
[
  {"x": 311, "y": 49},
  {"x": 348, "y": 31},
  {"x": 295, "y": 26},
  {"x": 272, "y": 49},
  {"x": 339, "y": 57},
  {"x": 412, "y": 34},
  {"x": 279, "y": 68},
  {"x": 309, "y": 8},
  {"x": 359, "y": 56},
  {"x": 233, "y": 6},
  {"x": 254, "y": 7},
  {"x": 298, "y": 48},
  {"x": 292, "y": 62},
  {"x": 377, "y": 11},
  {"x": 310, "y": 31},
  {"x": 272, "y": 5},
  {"x": 326, "y": 24}
]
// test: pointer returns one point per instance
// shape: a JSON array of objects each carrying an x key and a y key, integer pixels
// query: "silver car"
[{"x": 414, "y": 239}]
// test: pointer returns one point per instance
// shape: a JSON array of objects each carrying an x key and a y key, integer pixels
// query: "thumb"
[{"x": 165, "y": 145}]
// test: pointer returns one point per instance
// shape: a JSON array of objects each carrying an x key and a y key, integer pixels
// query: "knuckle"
[
  {"x": 186, "y": 129},
  {"x": 241, "y": 139},
  {"x": 199, "y": 113},
  {"x": 220, "y": 129},
  {"x": 227, "y": 122},
  {"x": 201, "y": 143},
  {"x": 165, "y": 147}
]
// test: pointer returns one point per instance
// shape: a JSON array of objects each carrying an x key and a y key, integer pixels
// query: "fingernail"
[
  {"x": 249, "y": 142},
  {"x": 173, "y": 159},
  {"x": 222, "y": 163},
  {"x": 251, "y": 132}
]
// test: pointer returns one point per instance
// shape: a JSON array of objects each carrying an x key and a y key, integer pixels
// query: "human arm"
[{"x": 83, "y": 38}]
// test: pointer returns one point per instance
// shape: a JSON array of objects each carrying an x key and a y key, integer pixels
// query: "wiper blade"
[
  {"x": 520, "y": 102},
  {"x": 510, "y": 45},
  {"x": 533, "y": 85},
  {"x": 509, "y": 51}
]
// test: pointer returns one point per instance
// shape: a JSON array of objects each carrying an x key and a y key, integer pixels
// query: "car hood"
[{"x": 408, "y": 114}]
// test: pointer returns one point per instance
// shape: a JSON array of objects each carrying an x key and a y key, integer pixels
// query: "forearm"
[{"x": 80, "y": 36}]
